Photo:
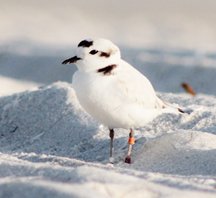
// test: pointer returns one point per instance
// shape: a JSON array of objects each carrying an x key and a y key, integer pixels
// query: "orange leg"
[{"x": 131, "y": 141}]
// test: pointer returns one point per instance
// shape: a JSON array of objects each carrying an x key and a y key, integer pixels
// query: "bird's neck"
[{"x": 97, "y": 65}]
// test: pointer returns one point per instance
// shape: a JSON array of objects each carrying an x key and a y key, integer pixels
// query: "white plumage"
[{"x": 111, "y": 90}]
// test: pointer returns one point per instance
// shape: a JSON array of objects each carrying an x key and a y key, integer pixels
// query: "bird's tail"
[
  {"x": 170, "y": 108},
  {"x": 177, "y": 109}
]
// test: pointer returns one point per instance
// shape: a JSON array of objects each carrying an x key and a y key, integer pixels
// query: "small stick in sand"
[{"x": 188, "y": 88}]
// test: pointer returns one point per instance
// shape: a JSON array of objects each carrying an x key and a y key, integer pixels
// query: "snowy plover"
[{"x": 113, "y": 91}]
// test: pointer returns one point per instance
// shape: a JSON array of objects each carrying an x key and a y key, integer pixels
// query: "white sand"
[{"x": 50, "y": 148}]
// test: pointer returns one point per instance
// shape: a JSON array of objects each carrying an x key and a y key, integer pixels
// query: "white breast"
[{"x": 125, "y": 99}]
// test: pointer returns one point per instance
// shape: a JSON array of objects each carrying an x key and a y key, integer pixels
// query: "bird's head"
[{"x": 94, "y": 54}]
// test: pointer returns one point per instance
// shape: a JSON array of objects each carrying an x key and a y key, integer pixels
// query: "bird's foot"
[
  {"x": 128, "y": 160},
  {"x": 111, "y": 160}
]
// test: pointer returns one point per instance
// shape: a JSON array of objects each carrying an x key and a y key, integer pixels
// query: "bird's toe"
[{"x": 128, "y": 160}]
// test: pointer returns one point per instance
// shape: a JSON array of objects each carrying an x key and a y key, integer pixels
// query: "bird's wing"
[{"x": 133, "y": 87}]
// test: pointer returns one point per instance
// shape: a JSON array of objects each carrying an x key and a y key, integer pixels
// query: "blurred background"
[{"x": 170, "y": 41}]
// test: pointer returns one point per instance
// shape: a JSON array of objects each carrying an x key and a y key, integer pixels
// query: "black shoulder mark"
[{"x": 107, "y": 70}]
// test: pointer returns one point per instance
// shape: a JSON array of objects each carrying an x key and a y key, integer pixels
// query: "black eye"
[{"x": 93, "y": 52}]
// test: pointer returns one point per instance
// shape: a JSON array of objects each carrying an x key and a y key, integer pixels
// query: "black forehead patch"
[{"x": 85, "y": 43}]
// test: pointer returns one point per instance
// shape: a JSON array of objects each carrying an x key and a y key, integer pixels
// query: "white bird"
[{"x": 113, "y": 91}]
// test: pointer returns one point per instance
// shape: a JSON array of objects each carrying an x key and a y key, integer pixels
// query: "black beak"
[{"x": 71, "y": 60}]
